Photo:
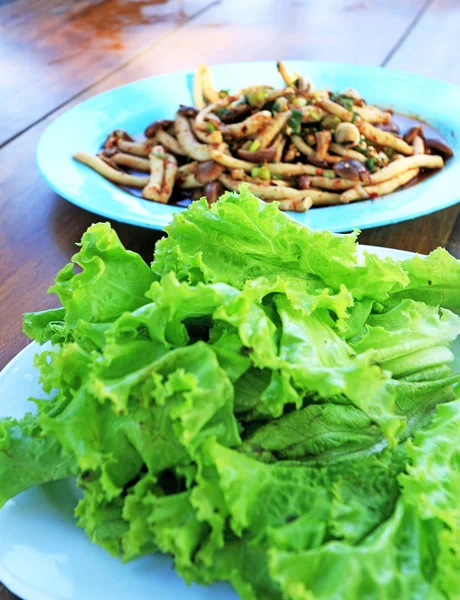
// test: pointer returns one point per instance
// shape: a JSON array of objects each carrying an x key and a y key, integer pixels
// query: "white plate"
[{"x": 44, "y": 556}]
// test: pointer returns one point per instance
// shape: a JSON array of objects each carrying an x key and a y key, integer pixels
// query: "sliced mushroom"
[
  {"x": 188, "y": 111},
  {"x": 437, "y": 147},
  {"x": 314, "y": 160},
  {"x": 234, "y": 113},
  {"x": 305, "y": 85},
  {"x": 213, "y": 190},
  {"x": 412, "y": 133},
  {"x": 352, "y": 169},
  {"x": 291, "y": 153},
  {"x": 323, "y": 139},
  {"x": 115, "y": 136},
  {"x": 352, "y": 93},
  {"x": 304, "y": 182},
  {"x": 106, "y": 156},
  {"x": 263, "y": 155},
  {"x": 419, "y": 145},
  {"x": 347, "y": 134},
  {"x": 388, "y": 127},
  {"x": 208, "y": 171},
  {"x": 151, "y": 130}
]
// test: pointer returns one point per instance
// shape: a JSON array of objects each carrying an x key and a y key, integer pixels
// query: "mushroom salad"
[{"x": 301, "y": 146}]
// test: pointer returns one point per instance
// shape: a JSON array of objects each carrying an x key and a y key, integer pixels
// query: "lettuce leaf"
[
  {"x": 434, "y": 280},
  {"x": 239, "y": 238},
  {"x": 28, "y": 458},
  {"x": 112, "y": 280},
  {"x": 264, "y": 403}
]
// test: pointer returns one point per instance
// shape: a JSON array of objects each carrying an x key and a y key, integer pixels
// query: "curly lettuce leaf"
[
  {"x": 112, "y": 280},
  {"x": 397, "y": 338},
  {"x": 434, "y": 280},
  {"x": 47, "y": 325},
  {"x": 390, "y": 562},
  {"x": 28, "y": 457},
  {"x": 241, "y": 238}
]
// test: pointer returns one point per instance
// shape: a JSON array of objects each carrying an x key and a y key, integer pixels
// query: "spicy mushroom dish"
[{"x": 297, "y": 145}]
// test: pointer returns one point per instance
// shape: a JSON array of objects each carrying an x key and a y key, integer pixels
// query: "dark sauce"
[
  {"x": 183, "y": 198},
  {"x": 406, "y": 122}
]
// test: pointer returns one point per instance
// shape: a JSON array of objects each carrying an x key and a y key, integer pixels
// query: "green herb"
[
  {"x": 371, "y": 164},
  {"x": 264, "y": 173},
  {"x": 277, "y": 177},
  {"x": 390, "y": 152},
  {"x": 224, "y": 93},
  {"x": 354, "y": 117},
  {"x": 344, "y": 101},
  {"x": 330, "y": 122},
  {"x": 314, "y": 116},
  {"x": 256, "y": 97},
  {"x": 211, "y": 127},
  {"x": 295, "y": 121},
  {"x": 300, "y": 101}
]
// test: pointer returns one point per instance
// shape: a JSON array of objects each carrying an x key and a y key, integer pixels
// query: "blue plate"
[{"x": 132, "y": 107}]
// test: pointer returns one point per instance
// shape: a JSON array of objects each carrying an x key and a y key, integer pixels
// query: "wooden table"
[{"x": 56, "y": 53}]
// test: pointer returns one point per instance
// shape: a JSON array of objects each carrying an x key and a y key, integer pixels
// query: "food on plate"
[
  {"x": 263, "y": 403},
  {"x": 298, "y": 145}
]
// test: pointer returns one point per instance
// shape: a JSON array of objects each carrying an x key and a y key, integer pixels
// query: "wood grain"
[
  {"x": 342, "y": 30},
  {"x": 63, "y": 46},
  {"x": 431, "y": 48},
  {"x": 419, "y": 235}
]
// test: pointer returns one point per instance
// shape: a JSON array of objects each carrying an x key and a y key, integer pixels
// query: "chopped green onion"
[
  {"x": 256, "y": 97},
  {"x": 346, "y": 102},
  {"x": 224, "y": 93},
  {"x": 277, "y": 177},
  {"x": 389, "y": 151},
  {"x": 300, "y": 102},
  {"x": 314, "y": 116},
  {"x": 354, "y": 117},
  {"x": 370, "y": 164},
  {"x": 255, "y": 172},
  {"x": 254, "y": 146},
  {"x": 211, "y": 127},
  {"x": 330, "y": 122},
  {"x": 295, "y": 121},
  {"x": 264, "y": 173},
  {"x": 343, "y": 101}
]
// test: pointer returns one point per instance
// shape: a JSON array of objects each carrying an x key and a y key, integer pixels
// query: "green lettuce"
[{"x": 264, "y": 403}]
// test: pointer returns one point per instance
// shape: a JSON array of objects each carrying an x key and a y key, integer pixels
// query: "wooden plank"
[
  {"x": 5, "y": 594},
  {"x": 342, "y": 30},
  {"x": 418, "y": 235},
  {"x": 51, "y": 50},
  {"x": 431, "y": 48}
]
